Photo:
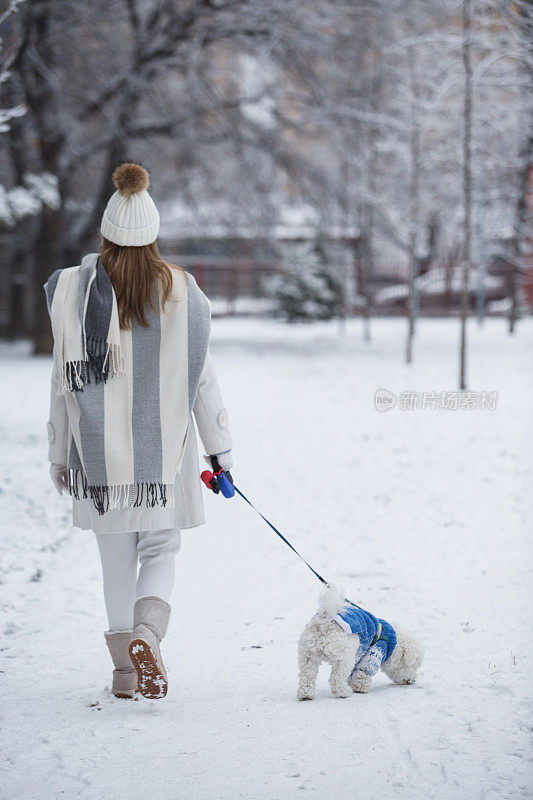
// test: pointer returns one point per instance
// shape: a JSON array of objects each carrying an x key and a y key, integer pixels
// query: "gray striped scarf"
[{"x": 129, "y": 394}]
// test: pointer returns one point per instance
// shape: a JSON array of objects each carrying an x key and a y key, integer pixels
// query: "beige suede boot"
[
  {"x": 124, "y": 674},
  {"x": 150, "y": 622}
]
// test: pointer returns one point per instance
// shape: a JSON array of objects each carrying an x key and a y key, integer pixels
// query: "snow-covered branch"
[{"x": 8, "y": 114}]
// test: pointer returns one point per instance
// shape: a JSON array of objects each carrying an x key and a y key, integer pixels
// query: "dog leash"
[
  {"x": 281, "y": 536},
  {"x": 381, "y": 633},
  {"x": 220, "y": 481}
]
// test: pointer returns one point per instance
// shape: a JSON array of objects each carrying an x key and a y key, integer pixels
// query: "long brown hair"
[{"x": 135, "y": 273}]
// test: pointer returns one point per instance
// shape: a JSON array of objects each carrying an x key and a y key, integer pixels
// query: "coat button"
[
  {"x": 223, "y": 418},
  {"x": 51, "y": 432}
]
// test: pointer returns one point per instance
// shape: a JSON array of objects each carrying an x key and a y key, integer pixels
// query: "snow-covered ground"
[{"x": 423, "y": 516}]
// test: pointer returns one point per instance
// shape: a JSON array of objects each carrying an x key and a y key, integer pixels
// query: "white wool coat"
[{"x": 212, "y": 421}]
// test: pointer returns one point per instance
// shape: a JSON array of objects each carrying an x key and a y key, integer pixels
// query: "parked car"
[{"x": 441, "y": 288}]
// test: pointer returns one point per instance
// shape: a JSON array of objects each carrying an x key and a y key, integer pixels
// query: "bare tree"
[
  {"x": 414, "y": 198},
  {"x": 520, "y": 237},
  {"x": 247, "y": 108},
  {"x": 467, "y": 184},
  {"x": 524, "y": 36},
  {"x": 159, "y": 82},
  {"x": 6, "y": 61}
]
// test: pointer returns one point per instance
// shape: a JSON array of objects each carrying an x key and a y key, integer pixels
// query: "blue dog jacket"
[{"x": 377, "y": 638}]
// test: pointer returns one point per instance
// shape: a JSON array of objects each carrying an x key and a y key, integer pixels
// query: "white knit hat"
[{"x": 131, "y": 217}]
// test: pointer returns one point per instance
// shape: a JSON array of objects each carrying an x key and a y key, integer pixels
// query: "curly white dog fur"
[{"x": 323, "y": 639}]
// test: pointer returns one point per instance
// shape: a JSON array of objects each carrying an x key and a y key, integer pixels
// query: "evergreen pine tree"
[{"x": 306, "y": 291}]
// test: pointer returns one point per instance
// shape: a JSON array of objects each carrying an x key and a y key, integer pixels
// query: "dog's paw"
[
  {"x": 360, "y": 682},
  {"x": 305, "y": 694},
  {"x": 342, "y": 692}
]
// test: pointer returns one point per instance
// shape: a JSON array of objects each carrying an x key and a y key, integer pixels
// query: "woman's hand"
[
  {"x": 224, "y": 459},
  {"x": 59, "y": 475}
]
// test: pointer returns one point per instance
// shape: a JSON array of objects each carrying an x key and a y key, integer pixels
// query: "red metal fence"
[{"x": 233, "y": 286}]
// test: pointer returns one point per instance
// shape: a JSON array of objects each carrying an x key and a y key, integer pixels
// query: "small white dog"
[{"x": 356, "y": 644}]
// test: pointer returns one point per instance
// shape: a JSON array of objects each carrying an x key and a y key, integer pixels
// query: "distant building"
[{"x": 233, "y": 262}]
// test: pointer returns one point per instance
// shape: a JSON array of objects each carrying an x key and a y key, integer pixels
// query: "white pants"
[{"x": 121, "y": 554}]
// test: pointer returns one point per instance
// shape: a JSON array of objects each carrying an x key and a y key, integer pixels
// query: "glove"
[
  {"x": 219, "y": 482},
  {"x": 224, "y": 459},
  {"x": 59, "y": 475}
]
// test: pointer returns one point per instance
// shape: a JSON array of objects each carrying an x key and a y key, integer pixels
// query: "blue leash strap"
[{"x": 282, "y": 537}]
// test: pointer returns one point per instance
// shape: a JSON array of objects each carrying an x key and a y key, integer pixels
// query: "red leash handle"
[
  {"x": 210, "y": 480},
  {"x": 218, "y": 480}
]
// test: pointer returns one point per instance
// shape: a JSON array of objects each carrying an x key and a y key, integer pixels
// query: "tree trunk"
[
  {"x": 414, "y": 203},
  {"x": 513, "y": 314},
  {"x": 47, "y": 255},
  {"x": 411, "y": 305},
  {"x": 363, "y": 271},
  {"x": 467, "y": 186},
  {"x": 43, "y": 96},
  {"x": 17, "y": 263},
  {"x": 520, "y": 234},
  {"x": 91, "y": 228}
]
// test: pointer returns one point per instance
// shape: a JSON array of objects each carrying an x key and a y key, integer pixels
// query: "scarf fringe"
[
  {"x": 102, "y": 361},
  {"x": 132, "y": 495}
]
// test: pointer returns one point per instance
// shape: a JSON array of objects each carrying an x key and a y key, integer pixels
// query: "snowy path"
[{"x": 423, "y": 516}]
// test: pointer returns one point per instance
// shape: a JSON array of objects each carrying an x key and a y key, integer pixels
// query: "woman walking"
[{"x": 131, "y": 368}]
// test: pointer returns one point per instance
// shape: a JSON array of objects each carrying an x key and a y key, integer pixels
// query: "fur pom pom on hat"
[
  {"x": 130, "y": 179},
  {"x": 131, "y": 217}
]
